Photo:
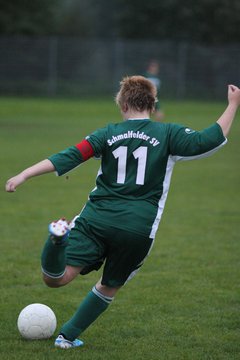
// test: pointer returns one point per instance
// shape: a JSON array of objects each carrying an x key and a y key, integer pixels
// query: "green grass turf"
[{"x": 184, "y": 303}]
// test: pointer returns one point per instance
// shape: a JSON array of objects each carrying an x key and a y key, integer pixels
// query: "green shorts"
[{"x": 122, "y": 252}]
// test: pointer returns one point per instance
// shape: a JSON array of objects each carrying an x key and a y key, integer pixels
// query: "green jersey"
[{"x": 137, "y": 159}]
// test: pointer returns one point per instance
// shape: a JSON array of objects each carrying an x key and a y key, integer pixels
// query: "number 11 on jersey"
[{"x": 140, "y": 154}]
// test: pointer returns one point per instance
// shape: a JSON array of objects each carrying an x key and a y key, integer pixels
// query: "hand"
[
  {"x": 233, "y": 95},
  {"x": 14, "y": 182}
]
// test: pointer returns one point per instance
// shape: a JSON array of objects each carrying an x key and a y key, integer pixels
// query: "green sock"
[
  {"x": 53, "y": 258},
  {"x": 88, "y": 311}
]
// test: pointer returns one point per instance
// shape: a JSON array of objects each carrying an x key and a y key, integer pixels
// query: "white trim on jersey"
[
  {"x": 201, "y": 156},
  {"x": 166, "y": 183},
  {"x": 161, "y": 203}
]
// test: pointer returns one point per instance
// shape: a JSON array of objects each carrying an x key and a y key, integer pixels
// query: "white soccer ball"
[{"x": 36, "y": 321}]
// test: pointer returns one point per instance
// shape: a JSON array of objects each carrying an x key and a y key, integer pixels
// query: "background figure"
[{"x": 152, "y": 74}]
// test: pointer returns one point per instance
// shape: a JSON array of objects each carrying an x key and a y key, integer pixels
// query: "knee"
[
  {"x": 69, "y": 274},
  {"x": 106, "y": 290},
  {"x": 50, "y": 282}
]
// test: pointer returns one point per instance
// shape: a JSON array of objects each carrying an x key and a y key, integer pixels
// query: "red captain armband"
[{"x": 85, "y": 149}]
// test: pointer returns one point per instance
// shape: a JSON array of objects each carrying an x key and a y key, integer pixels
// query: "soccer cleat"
[
  {"x": 72, "y": 222},
  {"x": 59, "y": 230},
  {"x": 63, "y": 343}
]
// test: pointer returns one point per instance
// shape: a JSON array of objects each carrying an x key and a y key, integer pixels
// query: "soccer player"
[
  {"x": 152, "y": 74},
  {"x": 117, "y": 226}
]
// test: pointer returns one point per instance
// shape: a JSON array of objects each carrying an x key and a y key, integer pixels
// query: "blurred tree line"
[{"x": 202, "y": 21}]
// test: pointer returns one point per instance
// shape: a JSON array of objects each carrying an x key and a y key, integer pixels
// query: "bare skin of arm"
[
  {"x": 226, "y": 119},
  {"x": 40, "y": 168}
]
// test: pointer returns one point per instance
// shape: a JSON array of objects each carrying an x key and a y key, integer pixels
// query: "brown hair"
[{"x": 137, "y": 92}]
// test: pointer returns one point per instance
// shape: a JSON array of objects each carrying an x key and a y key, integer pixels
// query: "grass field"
[{"x": 184, "y": 303}]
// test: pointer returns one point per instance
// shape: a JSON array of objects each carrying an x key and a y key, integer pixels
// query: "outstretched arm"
[
  {"x": 40, "y": 168},
  {"x": 61, "y": 163},
  {"x": 225, "y": 121}
]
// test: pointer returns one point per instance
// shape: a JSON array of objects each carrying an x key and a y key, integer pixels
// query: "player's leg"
[
  {"x": 62, "y": 261},
  {"x": 106, "y": 290},
  {"x": 99, "y": 298},
  {"x": 67, "y": 253},
  {"x": 69, "y": 274},
  {"x": 92, "y": 306},
  {"x": 55, "y": 271},
  {"x": 124, "y": 259},
  {"x": 53, "y": 258}
]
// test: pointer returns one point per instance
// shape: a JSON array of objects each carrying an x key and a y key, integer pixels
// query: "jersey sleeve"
[
  {"x": 71, "y": 157},
  {"x": 98, "y": 141},
  {"x": 187, "y": 144}
]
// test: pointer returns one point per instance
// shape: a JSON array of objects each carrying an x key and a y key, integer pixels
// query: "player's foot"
[
  {"x": 63, "y": 343},
  {"x": 59, "y": 230}
]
